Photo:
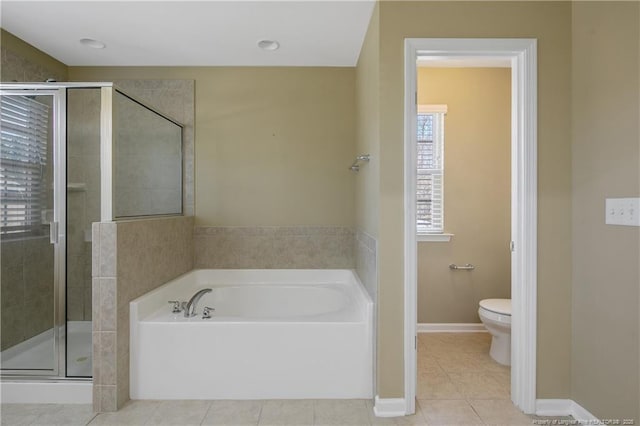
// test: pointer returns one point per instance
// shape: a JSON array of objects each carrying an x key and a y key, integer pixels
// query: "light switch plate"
[{"x": 622, "y": 211}]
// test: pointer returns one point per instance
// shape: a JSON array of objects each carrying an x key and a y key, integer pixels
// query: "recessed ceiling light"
[
  {"x": 268, "y": 44},
  {"x": 95, "y": 44}
]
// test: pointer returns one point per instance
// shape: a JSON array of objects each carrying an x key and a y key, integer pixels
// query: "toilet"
[{"x": 495, "y": 314}]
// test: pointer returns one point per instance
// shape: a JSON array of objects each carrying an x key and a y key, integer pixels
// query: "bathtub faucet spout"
[{"x": 190, "y": 308}]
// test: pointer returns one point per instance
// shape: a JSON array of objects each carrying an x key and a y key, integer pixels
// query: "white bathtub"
[{"x": 274, "y": 334}]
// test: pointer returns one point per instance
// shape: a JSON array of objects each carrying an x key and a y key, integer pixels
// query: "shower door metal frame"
[
  {"x": 58, "y": 239},
  {"x": 59, "y": 92}
]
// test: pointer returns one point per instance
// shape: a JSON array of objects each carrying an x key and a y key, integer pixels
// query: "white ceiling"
[{"x": 193, "y": 33}]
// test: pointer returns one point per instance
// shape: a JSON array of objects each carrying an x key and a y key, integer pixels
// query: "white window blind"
[
  {"x": 430, "y": 170},
  {"x": 23, "y": 156}
]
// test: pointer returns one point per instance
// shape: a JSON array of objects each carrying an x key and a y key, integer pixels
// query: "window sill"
[
  {"x": 6, "y": 238},
  {"x": 435, "y": 238}
]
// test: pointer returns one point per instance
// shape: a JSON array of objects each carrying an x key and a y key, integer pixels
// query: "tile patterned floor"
[{"x": 458, "y": 384}]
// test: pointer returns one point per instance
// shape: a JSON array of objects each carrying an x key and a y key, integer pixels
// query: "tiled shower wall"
[
  {"x": 282, "y": 247},
  {"x": 26, "y": 289},
  {"x": 175, "y": 99},
  {"x": 131, "y": 259},
  {"x": 83, "y": 196},
  {"x": 17, "y": 68}
]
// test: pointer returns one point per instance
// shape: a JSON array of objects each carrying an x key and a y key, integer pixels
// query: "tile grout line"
[
  {"x": 92, "y": 418},
  {"x": 260, "y": 413},
  {"x": 206, "y": 413},
  {"x": 475, "y": 411}
]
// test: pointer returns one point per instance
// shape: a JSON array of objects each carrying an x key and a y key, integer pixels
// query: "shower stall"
[{"x": 71, "y": 154}]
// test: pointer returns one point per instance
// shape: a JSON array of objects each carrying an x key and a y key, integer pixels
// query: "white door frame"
[{"x": 523, "y": 56}]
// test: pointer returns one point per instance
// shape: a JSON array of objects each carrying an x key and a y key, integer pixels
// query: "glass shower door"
[
  {"x": 83, "y": 209},
  {"x": 29, "y": 234}
]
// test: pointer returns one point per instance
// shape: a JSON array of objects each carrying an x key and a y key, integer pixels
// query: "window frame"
[{"x": 439, "y": 111}]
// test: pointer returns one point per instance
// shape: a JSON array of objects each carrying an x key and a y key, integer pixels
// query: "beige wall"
[
  {"x": 273, "y": 144},
  {"x": 550, "y": 23},
  {"x": 23, "y": 62},
  {"x": 477, "y": 194},
  {"x": 367, "y": 187},
  {"x": 606, "y": 163}
]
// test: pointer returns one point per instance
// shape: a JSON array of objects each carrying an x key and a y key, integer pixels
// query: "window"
[
  {"x": 23, "y": 156},
  {"x": 430, "y": 169}
]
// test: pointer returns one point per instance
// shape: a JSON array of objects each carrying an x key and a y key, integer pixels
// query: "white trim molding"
[
  {"x": 583, "y": 416},
  {"x": 554, "y": 407},
  {"x": 565, "y": 407},
  {"x": 451, "y": 328},
  {"x": 432, "y": 108},
  {"x": 107, "y": 211},
  {"x": 389, "y": 407},
  {"x": 521, "y": 54},
  {"x": 434, "y": 238}
]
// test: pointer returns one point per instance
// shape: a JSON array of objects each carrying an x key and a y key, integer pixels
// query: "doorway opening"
[
  {"x": 520, "y": 56},
  {"x": 464, "y": 233}
]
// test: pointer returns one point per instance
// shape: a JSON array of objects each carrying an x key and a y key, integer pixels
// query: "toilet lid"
[{"x": 499, "y": 306}]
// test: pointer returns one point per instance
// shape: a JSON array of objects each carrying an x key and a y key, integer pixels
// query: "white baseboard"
[
  {"x": 390, "y": 407},
  {"x": 582, "y": 415},
  {"x": 554, "y": 407},
  {"x": 565, "y": 407},
  {"x": 47, "y": 392},
  {"x": 451, "y": 328}
]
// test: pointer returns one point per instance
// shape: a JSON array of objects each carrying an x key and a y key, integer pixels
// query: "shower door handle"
[{"x": 53, "y": 232}]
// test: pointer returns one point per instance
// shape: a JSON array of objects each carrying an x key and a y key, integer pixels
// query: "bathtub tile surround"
[
  {"x": 274, "y": 247},
  {"x": 130, "y": 258},
  {"x": 367, "y": 262},
  {"x": 366, "y": 253}
]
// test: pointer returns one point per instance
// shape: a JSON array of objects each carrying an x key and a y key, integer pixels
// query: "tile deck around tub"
[{"x": 458, "y": 384}]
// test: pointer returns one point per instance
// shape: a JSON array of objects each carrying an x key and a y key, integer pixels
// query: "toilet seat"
[{"x": 497, "y": 306}]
